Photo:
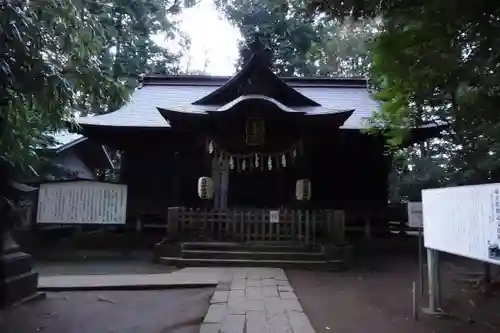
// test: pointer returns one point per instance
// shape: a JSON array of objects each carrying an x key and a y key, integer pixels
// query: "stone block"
[
  {"x": 18, "y": 281},
  {"x": 283, "y": 283},
  {"x": 234, "y": 324},
  {"x": 255, "y": 305},
  {"x": 252, "y": 275},
  {"x": 279, "y": 324},
  {"x": 236, "y": 310},
  {"x": 280, "y": 276},
  {"x": 274, "y": 306},
  {"x": 238, "y": 284},
  {"x": 269, "y": 282},
  {"x": 285, "y": 288},
  {"x": 270, "y": 292},
  {"x": 237, "y": 293},
  {"x": 300, "y": 322},
  {"x": 254, "y": 283},
  {"x": 16, "y": 263},
  {"x": 216, "y": 313},
  {"x": 256, "y": 322},
  {"x": 292, "y": 305},
  {"x": 210, "y": 328},
  {"x": 257, "y": 316},
  {"x": 220, "y": 297},
  {"x": 240, "y": 274},
  {"x": 223, "y": 286},
  {"x": 288, "y": 295},
  {"x": 237, "y": 305},
  {"x": 254, "y": 292}
]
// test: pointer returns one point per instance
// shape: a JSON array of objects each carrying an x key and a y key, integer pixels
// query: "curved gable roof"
[{"x": 257, "y": 79}]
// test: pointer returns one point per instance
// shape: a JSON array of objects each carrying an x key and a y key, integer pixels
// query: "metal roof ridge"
[{"x": 209, "y": 80}]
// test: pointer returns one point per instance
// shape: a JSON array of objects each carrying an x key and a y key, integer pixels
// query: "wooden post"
[
  {"x": 307, "y": 227},
  {"x": 313, "y": 232},
  {"x": 368, "y": 228},
  {"x": 242, "y": 226},
  {"x": 176, "y": 180},
  {"x": 299, "y": 222},
  {"x": 263, "y": 223},
  {"x": 487, "y": 277},
  {"x": 414, "y": 301},
  {"x": 421, "y": 262}
]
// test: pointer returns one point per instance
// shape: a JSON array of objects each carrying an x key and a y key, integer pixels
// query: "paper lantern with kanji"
[
  {"x": 205, "y": 188},
  {"x": 303, "y": 190}
]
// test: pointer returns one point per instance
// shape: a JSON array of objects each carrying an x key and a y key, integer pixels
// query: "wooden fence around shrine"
[{"x": 250, "y": 225}]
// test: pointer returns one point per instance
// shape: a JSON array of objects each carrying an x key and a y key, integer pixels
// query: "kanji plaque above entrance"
[{"x": 255, "y": 132}]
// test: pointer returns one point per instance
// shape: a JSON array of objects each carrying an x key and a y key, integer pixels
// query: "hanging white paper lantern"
[
  {"x": 256, "y": 160},
  {"x": 231, "y": 163},
  {"x": 243, "y": 165},
  {"x": 303, "y": 190},
  {"x": 205, "y": 188},
  {"x": 211, "y": 147},
  {"x": 269, "y": 163}
]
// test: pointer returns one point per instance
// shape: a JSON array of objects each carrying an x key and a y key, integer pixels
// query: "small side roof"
[{"x": 64, "y": 140}]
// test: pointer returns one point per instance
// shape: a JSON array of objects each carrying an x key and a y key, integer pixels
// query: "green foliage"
[
  {"x": 40, "y": 65},
  {"x": 436, "y": 62},
  {"x": 58, "y": 56},
  {"x": 303, "y": 45},
  {"x": 128, "y": 49}
]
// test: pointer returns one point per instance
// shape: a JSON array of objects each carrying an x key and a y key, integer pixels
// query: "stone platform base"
[
  {"x": 18, "y": 281},
  {"x": 280, "y": 255}
]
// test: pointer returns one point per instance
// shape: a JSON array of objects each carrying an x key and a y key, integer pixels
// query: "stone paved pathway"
[{"x": 255, "y": 300}]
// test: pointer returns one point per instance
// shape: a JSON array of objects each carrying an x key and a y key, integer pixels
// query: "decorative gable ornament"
[
  {"x": 205, "y": 188},
  {"x": 303, "y": 190}
]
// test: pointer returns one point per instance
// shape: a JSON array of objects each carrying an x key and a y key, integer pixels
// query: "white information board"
[
  {"x": 274, "y": 216},
  {"x": 82, "y": 202},
  {"x": 415, "y": 219},
  {"x": 464, "y": 221}
]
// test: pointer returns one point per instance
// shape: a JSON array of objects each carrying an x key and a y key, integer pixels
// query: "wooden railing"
[{"x": 247, "y": 225}]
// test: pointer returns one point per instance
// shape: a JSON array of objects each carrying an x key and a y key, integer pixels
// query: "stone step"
[
  {"x": 18, "y": 287},
  {"x": 302, "y": 264},
  {"x": 16, "y": 263},
  {"x": 250, "y": 246},
  {"x": 253, "y": 255}
]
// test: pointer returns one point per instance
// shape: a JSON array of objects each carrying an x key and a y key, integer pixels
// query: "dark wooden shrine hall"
[{"x": 255, "y": 134}]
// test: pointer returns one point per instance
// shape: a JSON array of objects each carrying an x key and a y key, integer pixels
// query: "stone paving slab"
[
  {"x": 178, "y": 279},
  {"x": 254, "y": 300}
]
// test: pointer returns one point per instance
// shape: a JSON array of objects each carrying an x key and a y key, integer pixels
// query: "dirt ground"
[
  {"x": 376, "y": 296},
  {"x": 172, "y": 311}
]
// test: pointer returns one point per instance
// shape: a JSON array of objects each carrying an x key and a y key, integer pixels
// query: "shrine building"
[{"x": 256, "y": 142}]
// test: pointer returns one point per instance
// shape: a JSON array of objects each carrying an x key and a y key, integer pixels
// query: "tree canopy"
[
  {"x": 436, "y": 62},
  {"x": 302, "y": 45},
  {"x": 62, "y": 56},
  {"x": 430, "y": 62}
]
